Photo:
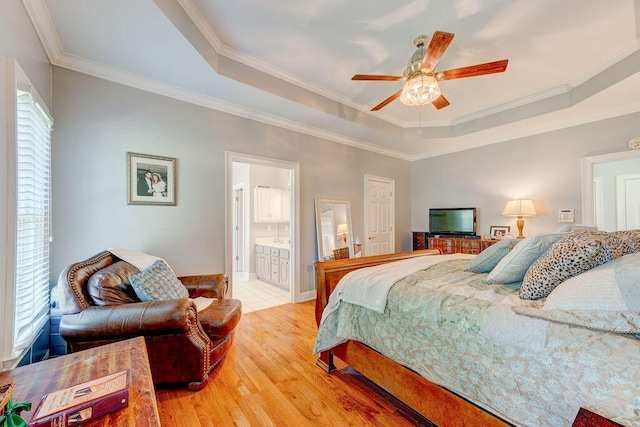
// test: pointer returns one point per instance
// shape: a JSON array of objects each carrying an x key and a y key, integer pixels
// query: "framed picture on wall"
[
  {"x": 499, "y": 231},
  {"x": 151, "y": 180}
]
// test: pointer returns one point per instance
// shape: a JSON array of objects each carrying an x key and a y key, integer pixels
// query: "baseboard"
[{"x": 306, "y": 296}]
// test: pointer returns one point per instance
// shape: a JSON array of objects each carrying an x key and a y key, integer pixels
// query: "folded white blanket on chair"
[{"x": 137, "y": 258}]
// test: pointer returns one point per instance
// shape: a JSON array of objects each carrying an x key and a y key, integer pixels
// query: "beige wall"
[
  {"x": 97, "y": 122},
  {"x": 545, "y": 168}
]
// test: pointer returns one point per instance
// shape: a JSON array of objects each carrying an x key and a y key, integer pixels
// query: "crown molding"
[
  {"x": 599, "y": 69},
  {"x": 43, "y": 23},
  {"x": 569, "y": 122},
  {"x": 136, "y": 81},
  {"x": 201, "y": 23},
  {"x": 539, "y": 96}
]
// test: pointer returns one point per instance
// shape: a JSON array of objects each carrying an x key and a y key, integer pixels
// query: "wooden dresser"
[{"x": 450, "y": 245}]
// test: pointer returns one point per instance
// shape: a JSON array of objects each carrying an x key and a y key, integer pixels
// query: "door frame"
[
  {"x": 392, "y": 214},
  {"x": 621, "y": 199},
  {"x": 294, "y": 224},
  {"x": 588, "y": 217}
]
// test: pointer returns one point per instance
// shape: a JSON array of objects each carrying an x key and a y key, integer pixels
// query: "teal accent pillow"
[
  {"x": 490, "y": 257},
  {"x": 515, "y": 264},
  {"x": 157, "y": 283}
]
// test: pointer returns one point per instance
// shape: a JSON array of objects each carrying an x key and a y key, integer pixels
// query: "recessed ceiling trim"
[
  {"x": 512, "y": 105},
  {"x": 625, "y": 63},
  {"x": 43, "y": 23},
  {"x": 126, "y": 78},
  {"x": 46, "y": 30},
  {"x": 201, "y": 23},
  {"x": 259, "y": 79},
  {"x": 619, "y": 56}
]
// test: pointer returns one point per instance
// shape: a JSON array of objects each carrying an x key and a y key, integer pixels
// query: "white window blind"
[{"x": 33, "y": 218}]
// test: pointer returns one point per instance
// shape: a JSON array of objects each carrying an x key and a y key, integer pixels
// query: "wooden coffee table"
[{"x": 36, "y": 380}]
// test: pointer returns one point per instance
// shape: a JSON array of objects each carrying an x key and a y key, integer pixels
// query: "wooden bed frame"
[{"x": 432, "y": 401}]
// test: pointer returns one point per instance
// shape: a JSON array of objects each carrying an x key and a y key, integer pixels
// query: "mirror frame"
[{"x": 319, "y": 203}]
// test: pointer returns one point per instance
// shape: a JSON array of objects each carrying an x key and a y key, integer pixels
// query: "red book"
[{"x": 83, "y": 402}]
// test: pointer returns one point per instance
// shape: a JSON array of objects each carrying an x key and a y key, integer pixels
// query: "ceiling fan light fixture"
[{"x": 420, "y": 90}]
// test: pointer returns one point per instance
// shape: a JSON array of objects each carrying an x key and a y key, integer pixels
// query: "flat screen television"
[{"x": 452, "y": 221}]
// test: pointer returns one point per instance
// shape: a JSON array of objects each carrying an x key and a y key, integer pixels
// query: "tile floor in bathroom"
[{"x": 257, "y": 295}]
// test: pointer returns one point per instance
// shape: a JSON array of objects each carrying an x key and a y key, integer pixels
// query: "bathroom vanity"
[{"x": 272, "y": 261}]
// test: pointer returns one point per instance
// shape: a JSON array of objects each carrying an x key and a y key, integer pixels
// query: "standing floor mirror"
[{"x": 334, "y": 231}]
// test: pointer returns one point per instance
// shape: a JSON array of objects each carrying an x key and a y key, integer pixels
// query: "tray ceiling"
[{"x": 289, "y": 63}]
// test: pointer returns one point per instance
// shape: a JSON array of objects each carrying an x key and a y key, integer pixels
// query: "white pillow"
[
  {"x": 596, "y": 289},
  {"x": 515, "y": 264}
]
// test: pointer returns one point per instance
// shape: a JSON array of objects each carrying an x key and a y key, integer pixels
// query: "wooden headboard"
[{"x": 329, "y": 273}]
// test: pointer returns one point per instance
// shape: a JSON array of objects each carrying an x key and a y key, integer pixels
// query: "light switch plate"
[{"x": 566, "y": 215}]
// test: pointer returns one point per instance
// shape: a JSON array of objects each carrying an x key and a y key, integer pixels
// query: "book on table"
[{"x": 83, "y": 402}]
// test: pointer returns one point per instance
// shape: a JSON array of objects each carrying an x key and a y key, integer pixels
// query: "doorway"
[
  {"x": 611, "y": 181},
  {"x": 248, "y": 179}
]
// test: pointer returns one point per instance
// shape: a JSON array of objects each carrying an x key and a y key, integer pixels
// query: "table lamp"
[
  {"x": 342, "y": 231},
  {"x": 519, "y": 208}
]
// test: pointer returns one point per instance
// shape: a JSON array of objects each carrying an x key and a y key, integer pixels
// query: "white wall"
[
  {"x": 97, "y": 122},
  {"x": 545, "y": 168}
]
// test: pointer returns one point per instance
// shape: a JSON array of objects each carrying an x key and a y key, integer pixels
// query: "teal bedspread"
[{"x": 434, "y": 323}]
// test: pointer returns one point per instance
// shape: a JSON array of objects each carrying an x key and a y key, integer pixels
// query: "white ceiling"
[{"x": 290, "y": 62}]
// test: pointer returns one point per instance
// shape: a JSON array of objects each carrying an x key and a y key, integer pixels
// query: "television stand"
[{"x": 450, "y": 244}]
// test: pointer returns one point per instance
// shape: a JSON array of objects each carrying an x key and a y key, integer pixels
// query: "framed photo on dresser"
[{"x": 499, "y": 231}]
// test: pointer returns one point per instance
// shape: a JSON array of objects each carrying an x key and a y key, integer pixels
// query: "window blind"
[{"x": 33, "y": 216}]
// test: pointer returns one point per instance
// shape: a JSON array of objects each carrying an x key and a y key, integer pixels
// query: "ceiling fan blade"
[
  {"x": 439, "y": 43},
  {"x": 474, "y": 70},
  {"x": 440, "y": 102},
  {"x": 376, "y": 77},
  {"x": 387, "y": 101}
]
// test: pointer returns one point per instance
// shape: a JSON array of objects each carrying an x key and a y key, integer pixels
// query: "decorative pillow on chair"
[
  {"x": 490, "y": 257},
  {"x": 568, "y": 257},
  {"x": 158, "y": 283},
  {"x": 515, "y": 264}
]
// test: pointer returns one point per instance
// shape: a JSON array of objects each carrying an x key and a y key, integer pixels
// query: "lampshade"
[
  {"x": 520, "y": 207},
  {"x": 342, "y": 229},
  {"x": 420, "y": 90}
]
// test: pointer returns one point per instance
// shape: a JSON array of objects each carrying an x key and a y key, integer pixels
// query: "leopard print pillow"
[{"x": 570, "y": 256}]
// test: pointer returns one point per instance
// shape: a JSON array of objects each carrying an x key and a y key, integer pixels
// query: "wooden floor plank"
[{"x": 269, "y": 377}]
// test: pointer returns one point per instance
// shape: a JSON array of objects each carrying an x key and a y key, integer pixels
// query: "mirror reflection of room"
[{"x": 333, "y": 222}]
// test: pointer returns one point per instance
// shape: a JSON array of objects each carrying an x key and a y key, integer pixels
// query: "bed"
[{"x": 474, "y": 351}]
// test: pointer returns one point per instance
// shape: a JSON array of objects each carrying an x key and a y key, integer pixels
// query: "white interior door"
[
  {"x": 628, "y": 201},
  {"x": 379, "y": 209}
]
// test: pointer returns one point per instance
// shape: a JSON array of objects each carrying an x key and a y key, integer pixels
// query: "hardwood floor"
[{"x": 269, "y": 377}]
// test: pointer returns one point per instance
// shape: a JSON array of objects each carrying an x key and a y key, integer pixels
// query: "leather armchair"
[{"x": 99, "y": 307}]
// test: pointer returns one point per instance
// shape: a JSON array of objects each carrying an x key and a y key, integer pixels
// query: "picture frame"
[
  {"x": 151, "y": 180},
  {"x": 499, "y": 231}
]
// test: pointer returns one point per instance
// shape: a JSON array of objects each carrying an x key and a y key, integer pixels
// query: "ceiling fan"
[{"x": 422, "y": 78}]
